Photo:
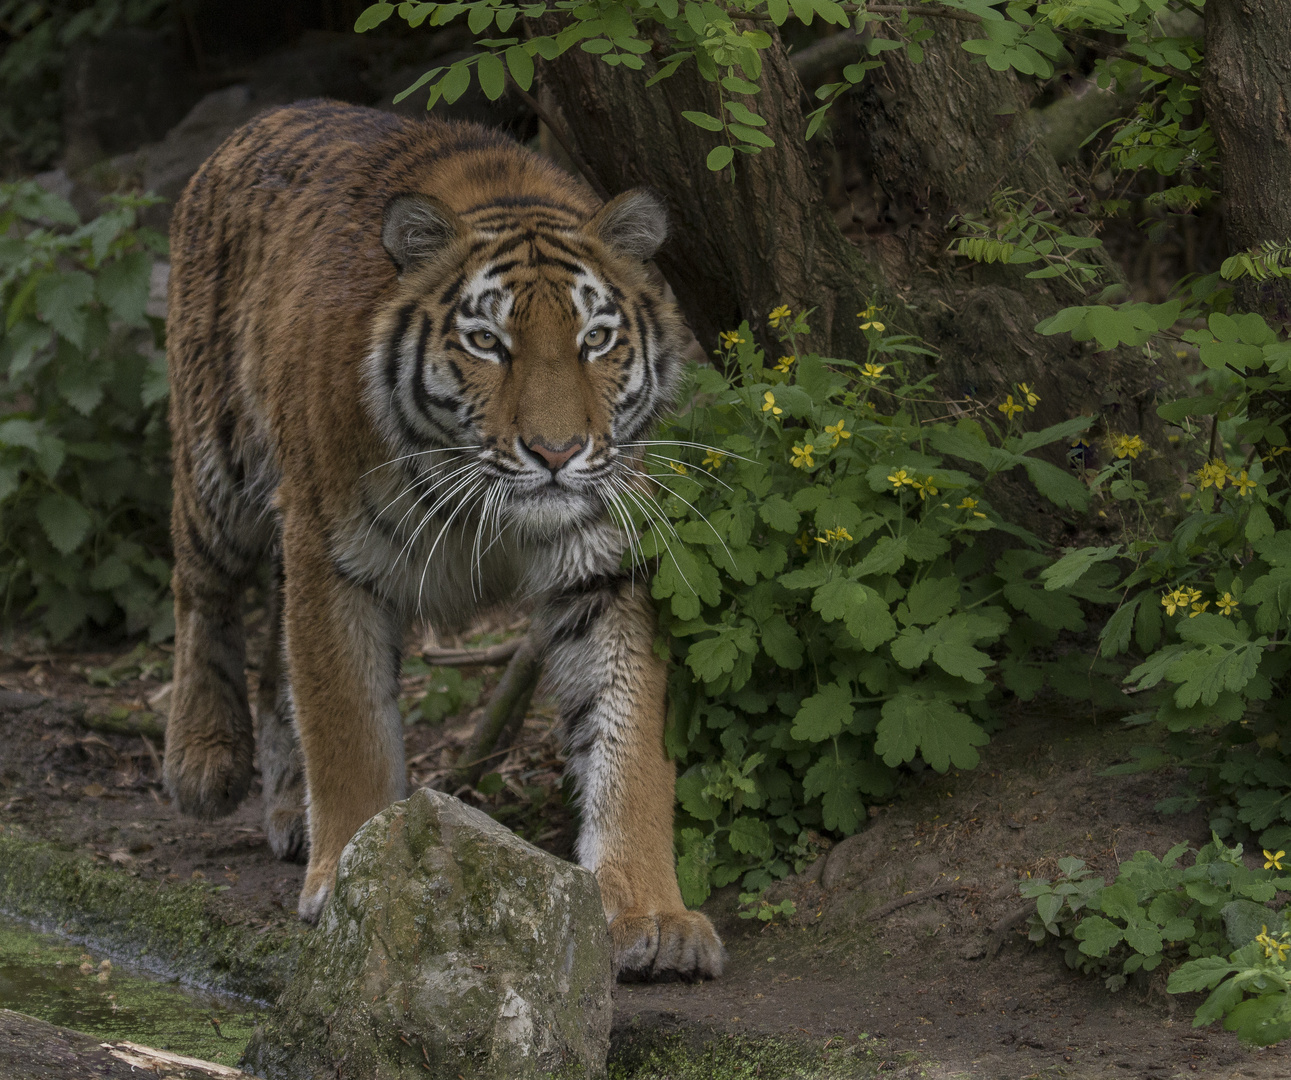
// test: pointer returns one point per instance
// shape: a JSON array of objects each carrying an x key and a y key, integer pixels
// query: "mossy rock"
[{"x": 449, "y": 945}]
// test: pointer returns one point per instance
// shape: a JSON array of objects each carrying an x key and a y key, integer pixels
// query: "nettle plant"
[
  {"x": 84, "y": 482},
  {"x": 1208, "y": 924},
  {"x": 1206, "y": 581},
  {"x": 726, "y": 41},
  {"x": 832, "y": 617}
]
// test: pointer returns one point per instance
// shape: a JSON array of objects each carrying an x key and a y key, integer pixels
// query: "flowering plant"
[{"x": 833, "y": 618}]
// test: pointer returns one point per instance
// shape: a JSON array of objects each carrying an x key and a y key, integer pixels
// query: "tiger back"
[{"x": 413, "y": 366}]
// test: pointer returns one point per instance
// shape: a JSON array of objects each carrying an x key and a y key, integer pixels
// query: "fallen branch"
[
  {"x": 149, "y": 725},
  {"x": 1000, "y": 932},
  {"x": 915, "y": 898},
  {"x": 155, "y": 1061},
  {"x": 502, "y": 717},
  {"x": 493, "y": 656}
]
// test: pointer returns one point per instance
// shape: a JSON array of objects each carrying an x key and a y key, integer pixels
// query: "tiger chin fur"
[{"x": 409, "y": 364}]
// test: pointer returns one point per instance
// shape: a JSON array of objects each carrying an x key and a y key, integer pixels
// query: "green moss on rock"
[{"x": 452, "y": 945}]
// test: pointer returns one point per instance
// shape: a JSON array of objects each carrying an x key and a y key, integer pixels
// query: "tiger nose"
[{"x": 555, "y": 456}]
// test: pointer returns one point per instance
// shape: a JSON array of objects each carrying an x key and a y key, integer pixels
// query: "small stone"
[{"x": 449, "y": 945}]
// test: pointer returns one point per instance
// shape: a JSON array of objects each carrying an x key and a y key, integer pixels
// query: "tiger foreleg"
[
  {"x": 343, "y": 647},
  {"x": 612, "y": 688},
  {"x": 209, "y": 740}
]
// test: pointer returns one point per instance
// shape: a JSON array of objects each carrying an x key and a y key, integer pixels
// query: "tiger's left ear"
[
  {"x": 634, "y": 224},
  {"x": 414, "y": 227}
]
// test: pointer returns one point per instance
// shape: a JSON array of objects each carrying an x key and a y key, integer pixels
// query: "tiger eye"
[
  {"x": 594, "y": 339},
  {"x": 482, "y": 339}
]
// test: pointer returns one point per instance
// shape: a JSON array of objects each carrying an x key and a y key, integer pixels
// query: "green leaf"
[
  {"x": 1072, "y": 566},
  {"x": 373, "y": 16},
  {"x": 61, "y": 301},
  {"x": 1097, "y": 936},
  {"x": 836, "y": 782},
  {"x": 123, "y": 287},
  {"x": 736, "y": 85},
  {"x": 492, "y": 76},
  {"x": 453, "y": 85},
  {"x": 719, "y": 157},
  {"x": 777, "y": 512},
  {"x": 64, "y": 520},
  {"x": 782, "y": 643},
  {"x": 750, "y": 836},
  {"x": 929, "y": 600},
  {"x": 703, "y": 120},
  {"x": 1200, "y": 974},
  {"x": 931, "y": 727},
  {"x": 824, "y": 714},
  {"x": 520, "y": 64}
]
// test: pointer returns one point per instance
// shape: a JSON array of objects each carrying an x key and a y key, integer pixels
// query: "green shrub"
[
  {"x": 1210, "y": 919},
  {"x": 1207, "y": 585},
  {"x": 84, "y": 479},
  {"x": 832, "y": 611}
]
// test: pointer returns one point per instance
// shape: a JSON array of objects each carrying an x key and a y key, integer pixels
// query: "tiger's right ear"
[{"x": 415, "y": 227}]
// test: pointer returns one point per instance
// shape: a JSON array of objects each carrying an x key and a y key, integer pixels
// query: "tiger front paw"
[
  {"x": 287, "y": 831},
  {"x": 320, "y": 879},
  {"x": 657, "y": 947},
  {"x": 208, "y": 778}
]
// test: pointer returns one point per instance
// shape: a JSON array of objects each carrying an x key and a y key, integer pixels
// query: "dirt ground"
[{"x": 937, "y": 985}]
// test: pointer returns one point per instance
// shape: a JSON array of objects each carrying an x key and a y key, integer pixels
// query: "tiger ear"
[
  {"x": 634, "y": 224},
  {"x": 415, "y": 227}
]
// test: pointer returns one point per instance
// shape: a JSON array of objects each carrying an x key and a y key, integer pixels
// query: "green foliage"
[
  {"x": 754, "y": 905},
  {"x": 726, "y": 44},
  {"x": 1207, "y": 582},
  {"x": 1159, "y": 912},
  {"x": 833, "y": 617},
  {"x": 446, "y": 692},
  {"x": 39, "y": 36},
  {"x": 84, "y": 485}
]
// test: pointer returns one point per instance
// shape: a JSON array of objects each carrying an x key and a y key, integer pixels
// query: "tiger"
[{"x": 413, "y": 365}]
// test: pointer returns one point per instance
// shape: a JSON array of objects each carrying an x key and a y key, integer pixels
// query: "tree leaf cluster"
[{"x": 84, "y": 479}]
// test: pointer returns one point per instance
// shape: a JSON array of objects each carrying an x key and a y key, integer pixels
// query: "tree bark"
[
  {"x": 743, "y": 245},
  {"x": 1247, "y": 95}
]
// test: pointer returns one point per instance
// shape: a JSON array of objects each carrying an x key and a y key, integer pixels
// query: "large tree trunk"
[{"x": 1247, "y": 94}]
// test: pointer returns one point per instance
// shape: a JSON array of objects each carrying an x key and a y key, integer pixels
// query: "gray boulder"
[{"x": 449, "y": 945}]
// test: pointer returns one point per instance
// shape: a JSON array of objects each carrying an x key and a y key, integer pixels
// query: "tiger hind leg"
[
  {"x": 282, "y": 772},
  {"x": 210, "y": 743}
]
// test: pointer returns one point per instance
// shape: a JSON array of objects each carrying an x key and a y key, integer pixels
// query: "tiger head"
[{"x": 531, "y": 347}]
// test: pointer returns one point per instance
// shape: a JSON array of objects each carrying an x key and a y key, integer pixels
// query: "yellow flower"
[
  {"x": 678, "y": 468},
  {"x": 780, "y": 315},
  {"x": 838, "y": 432},
  {"x": 925, "y": 489},
  {"x": 1274, "y": 452},
  {"x": 870, "y": 322},
  {"x": 1197, "y": 609},
  {"x": 803, "y": 540},
  {"x": 1274, "y": 861},
  {"x": 1031, "y": 396},
  {"x": 1128, "y": 446},
  {"x": 873, "y": 371},
  {"x": 1174, "y": 600},
  {"x": 713, "y": 460},
  {"x": 1271, "y": 943},
  {"x": 1227, "y": 604},
  {"x": 1213, "y": 472},
  {"x": 833, "y": 536},
  {"x": 1244, "y": 484},
  {"x": 785, "y": 363},
  {"x": 900, "y": 477},
  {"x": 966, "y": 503},
  {"x": 730, "y": 338},
  {"x": 1010, "y": 408},
  {"x": 769, "y": 405},
  {"x": 802, "y": 456}
]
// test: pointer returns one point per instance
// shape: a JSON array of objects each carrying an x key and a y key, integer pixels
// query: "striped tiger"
[{"x": 412, "y": 367}]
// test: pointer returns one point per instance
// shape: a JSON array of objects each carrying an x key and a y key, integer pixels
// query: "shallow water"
[{"x": 46, "y": 977}]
